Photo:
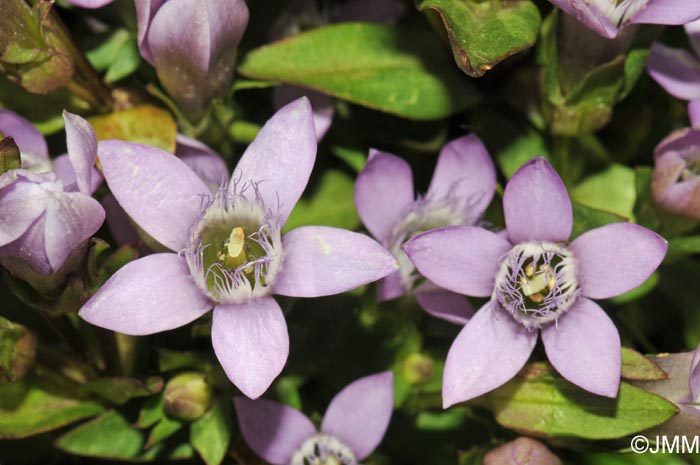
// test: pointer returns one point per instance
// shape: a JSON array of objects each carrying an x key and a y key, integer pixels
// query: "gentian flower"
[
  {"x": 682, "y": 387},
  {"x": 229, "y": 252},
  {"x": 678, "y": 71},
  {"x": 90, "y": 3},
  {"x": 46, "y": 212},
  {"x": 462, "y": 187},
  {"x": 676, "y": 180},
  {"x": 537, "y": 283},
  {"x": 192, "y": 45},
  {"x": 607, "y": 17},
  {"x": 352, "y": 427}
]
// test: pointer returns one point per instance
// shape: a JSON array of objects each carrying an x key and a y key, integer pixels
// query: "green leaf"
[
  {"x": 41, "y": 402},
  {"x": 130, "y": 125},
  {"x": 587, "y": 218},
  {"x": 679, "y": 247},
  {"x": 126, "y": 62},
  {"x": 331, "y": 204},
  {"x": 612, "y": 190},
  {"x": 117, "y": 390},
  {"x": 9, "y": 155},
  {"x": 636, "y": 366},
  {"x": 482, "y": 34},
  {"x": 108, "y": 436},
  {"x": 399, "y": 70},
  {"x": 640, "y": 291},
  {"x": 211, "y": 434},
  {"x": 644, "y": 209},
  {"x": 354, "y": 158},
  {"x": 540, "y": 402},
  {"x": 170, "y": 360},
  {"x": 102, "y": 56},
  {"x": 151, "y": 412},
  {"x": 165, "y": 428},
  {"x": 17, "y": 351}
]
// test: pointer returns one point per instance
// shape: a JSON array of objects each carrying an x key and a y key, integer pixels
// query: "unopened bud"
[
  {"x": 418, "y": 368},
  {"x": 17, "y": 351},
  {"x": 520, "y": 452},
  {"x": 187, "y": 396}
]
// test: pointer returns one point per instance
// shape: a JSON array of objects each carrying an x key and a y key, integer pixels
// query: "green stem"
[{"x": 562, "y": 158}]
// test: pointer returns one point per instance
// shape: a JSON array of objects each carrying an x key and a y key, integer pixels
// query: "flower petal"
[
  {"x": 465, "y": 170},
  {"x": 145, "y": 10},
  {"x": 206, "y": 163},
  {"x": 251, "y": 342},
  {"x": 693, "y": 30},
  {"x": 390, "y": 287},
  {"x": 383, "y": 190},
  {"x": 320, "y": 260},
  {"x": 584, "y": 347},
  {"x": 694, "y": 380},
  {"x": 616, "y": 258},
  {"x": 590, "y": 14},
  {"x": 694, "y": 113},
  {"x": 676, "y": 387},
  {"x": 158, "y": 191},
  {"x": 152, "y": 294},
  {"x": 444, "y": 304},
  {"x": 63, "y": 169},
  {"x": 463, "y": 259},
  {"x": 90, "y": 3},
  {"x": 359, "y": 414},
  {"x": 281, "y": 157},
  {"x": 26, "y": 136},
  {"x": 82, "y": 150},
  {"x": 521, "y": 451},
  {"x": 536, "y": 204},
  {"x": 272, "y": 430},
  {"x": 676, "y": 70},
  {"x": 321, "y": 103},
  {"x": 119, "y": 223},
  {"x": 71, "y": 218},
  {"x": 21, "y": 203},
  {"x": 669, "y": 12},
  {"x": 491, "y": 348}
]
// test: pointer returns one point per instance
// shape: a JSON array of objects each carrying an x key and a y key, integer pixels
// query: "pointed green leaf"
[
  {"x": 17, "y": 351},
  {"x": 117, "y": 390},
  {"x": 482, "y": 34},
  {"x": 165, "y": 428},
  {"x": 613, "y": 190},
  {"x": 211, "y": 434},
  {"x": 108, "y": 436},
  {"x": 543, "y": 403},
  {"x": 41, "y": 402},
  {"x": 129, "y": 125},
  {"x": 151, "y": 412},
  {"x": 587, "y": 218},
  {"x": 9, "y": 155},
  {"x": 636, "y": 366},
  {"x": 399, "y": 70}
]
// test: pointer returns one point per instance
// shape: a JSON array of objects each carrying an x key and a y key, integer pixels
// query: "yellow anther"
[
  {"x": 236, "y": 241},
  {"x": 529, "y": 270},
  {"x": 551, "y": 283},
  {"x": 537, "y": 298}
]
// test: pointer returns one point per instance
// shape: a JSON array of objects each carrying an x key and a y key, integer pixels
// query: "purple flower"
[
  {"x": 682, "y": 387},
  {"x": 678, "y": 71},
  {"x": 676, "y": 180},
  {"x": 462, "y": 187},
  {"x": 352, "y": 427},
  {"x": 607, "y": 17},
  {"x": 192, "y": 45},
  {"x": 90, "y": 3},
  {"x": 46, "y": 212},
  {"x": 537, "y": 283},
  {"x": 229, "y": 251}
]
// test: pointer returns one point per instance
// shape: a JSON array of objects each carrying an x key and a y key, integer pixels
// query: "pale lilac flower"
[
  {"x": 47, "y": 216},
  {"x": 90, "y": 3},
  {"x": 353, "y": 426},
  {"x": 192, "y": 45},
  {"x": 462, "y": 187},
  {"x": 678, "y": 71},
  {"x": 676, "y": 180},
  {"x": 521, "y": 451},
  {"x": 304, "y": 13},
  {"x": 537, "y": 283},
  {"x": 682, "y": 387},
  {"x": 229, "y": 250},
  {"x": 607, "y": 17}
]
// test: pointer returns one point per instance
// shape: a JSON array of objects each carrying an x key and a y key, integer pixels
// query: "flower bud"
[
  {"x": 521, "y": 451},
  {"x": 192, "y": 44},
  {"x": 418, "y": 368},
  {"x": 676, "y": 182},
  {"x": 187, "y": 396},
  {"x": 17, "y": 351}
]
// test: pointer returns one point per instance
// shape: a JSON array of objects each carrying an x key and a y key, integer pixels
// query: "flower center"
[
  {"x": 323, "y": 450},
  {"x": 619, "y": 12},
  {"x": 426, "y": 213},
  {"x": 536, "y": 283},
  {"x": 236, "y": 248},
  {"x": 692, "y": 164}
]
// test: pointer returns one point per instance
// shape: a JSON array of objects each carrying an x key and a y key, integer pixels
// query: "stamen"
[{"x": 323, "y": 450}]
